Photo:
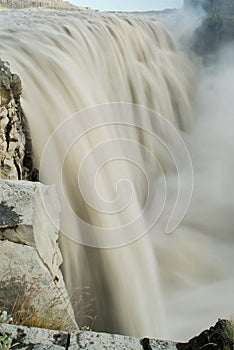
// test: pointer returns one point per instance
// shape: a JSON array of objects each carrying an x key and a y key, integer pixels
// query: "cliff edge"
[{"x": 41, "y": 4}]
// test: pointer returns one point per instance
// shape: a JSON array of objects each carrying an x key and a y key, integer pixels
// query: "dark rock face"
[
  {"x": 8, "y": 217},
  {"x": 15, "y": 142},
  {"x": 217, "y": 28},
  {"x": 218, "y": 337},
  {"x": 215, "y": 32},
  {"x": 221, "y": 7}
]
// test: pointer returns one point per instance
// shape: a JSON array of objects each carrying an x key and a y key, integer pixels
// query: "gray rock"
[
  {"x": 100, "y": 341},
  {"x": 33, "y": 338},
  {"x": 156, "y": 344},
  {"x": 24, "y": 219},
  {"x": 25, "y": 338},
  {"x": 31, "y": 281}
]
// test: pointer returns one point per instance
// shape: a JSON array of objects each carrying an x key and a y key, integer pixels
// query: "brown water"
[{"x": 143, "y": 284}]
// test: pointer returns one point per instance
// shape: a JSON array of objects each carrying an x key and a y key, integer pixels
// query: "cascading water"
[{"x": 71, "y": 65}]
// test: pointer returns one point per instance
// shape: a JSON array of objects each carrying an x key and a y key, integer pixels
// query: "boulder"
[{"x": 32, "y": 288}]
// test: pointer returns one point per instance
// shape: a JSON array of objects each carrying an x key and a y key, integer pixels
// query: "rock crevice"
[{"x": 15, "y": 143}]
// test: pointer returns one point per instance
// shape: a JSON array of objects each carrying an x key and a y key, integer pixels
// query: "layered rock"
[
  {"x": 15, "y": 143},
  {"x": 31, "y": 283}
]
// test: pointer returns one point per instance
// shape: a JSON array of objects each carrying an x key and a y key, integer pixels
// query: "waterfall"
[{"x": 97, "y": 89}]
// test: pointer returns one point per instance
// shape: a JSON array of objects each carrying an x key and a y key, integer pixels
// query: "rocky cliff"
[
  {"x": 31, "y": 283},
  {"x": 41, "y": 4},
  {"x": 217, "y": 29},
  {"x": 15, "y": 142},
  {"x": 221, "y": 7}
]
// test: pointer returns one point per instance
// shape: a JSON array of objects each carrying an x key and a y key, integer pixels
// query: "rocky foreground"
[{"x": 218, "y": 337}]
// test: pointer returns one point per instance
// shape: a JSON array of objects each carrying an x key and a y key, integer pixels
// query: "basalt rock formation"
[
  {"x": 218, "y": 337},
  {"x": 15, "y": 143},
  {"x": 217, "y": 28},
  {"x": 221, "y": 7}
]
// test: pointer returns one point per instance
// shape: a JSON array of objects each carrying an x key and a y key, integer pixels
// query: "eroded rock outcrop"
[
  {"x": 222, "y": 7},
  {"x": 217, "y": 27},
  {"x": 31, "y": 283},
  {"x": 218, "y": 337},
  {"x": 15, "y": 143}
]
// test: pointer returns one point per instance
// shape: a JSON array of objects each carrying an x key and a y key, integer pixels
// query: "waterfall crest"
[{"x": 70, "y": 62}]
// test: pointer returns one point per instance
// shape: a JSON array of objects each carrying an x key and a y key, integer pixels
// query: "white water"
[{"x": 161, "y": 286}]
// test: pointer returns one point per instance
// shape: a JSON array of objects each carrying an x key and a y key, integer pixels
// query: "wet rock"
[
  {"x": 217, "y": 27},
  {"x": 216, "y": 31},
  {"x": 224, "y": 7}
]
